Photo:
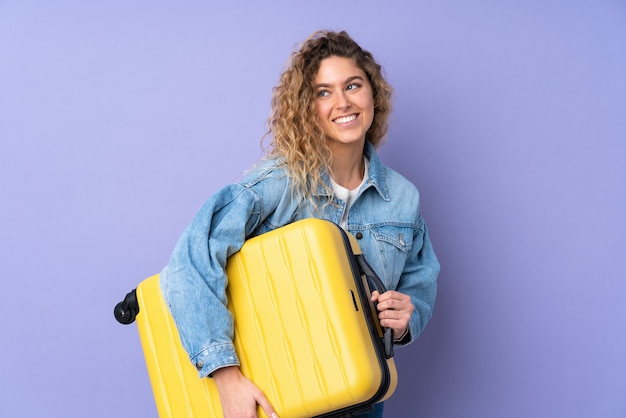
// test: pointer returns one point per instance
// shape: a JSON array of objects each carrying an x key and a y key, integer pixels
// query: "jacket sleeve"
[
  {"x": 194, "y": 282},
  {"x": 419, "y": 281}
]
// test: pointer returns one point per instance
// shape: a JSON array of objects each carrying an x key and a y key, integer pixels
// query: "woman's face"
[{"x": 344, "y": 100}]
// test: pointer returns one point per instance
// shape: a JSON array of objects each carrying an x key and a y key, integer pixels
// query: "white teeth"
[{"x": 345, "y": 119}]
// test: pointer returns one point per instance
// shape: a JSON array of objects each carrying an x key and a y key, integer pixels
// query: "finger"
[
  {"x": 375, "y": 296},
  {"x": 392, "y": 305},
  {"x": 393, "y": 295},
  {"x": 394, "y": 300},
  {"x": 395, "y": 319},
  {"x": 265, "y": 405},
  {"x": 397, "y": 325},
  {"x": 394, "y": 314}
]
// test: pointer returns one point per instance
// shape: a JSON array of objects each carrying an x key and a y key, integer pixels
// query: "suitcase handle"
[{"x": 375, "y": 283}]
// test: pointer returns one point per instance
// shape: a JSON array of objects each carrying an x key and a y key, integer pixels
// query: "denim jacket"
[{"x": 385, "y": 218}]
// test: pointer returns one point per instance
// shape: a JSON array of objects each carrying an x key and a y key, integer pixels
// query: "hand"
[
  {"x": 394, "y": 311},
  {"x": 239, "y": 396}
]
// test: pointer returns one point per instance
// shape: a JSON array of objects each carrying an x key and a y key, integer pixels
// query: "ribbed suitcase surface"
[{"x": 305, "y": 331}]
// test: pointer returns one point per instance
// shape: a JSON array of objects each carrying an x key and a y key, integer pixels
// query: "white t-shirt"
[{"x": 348, "y": 196}]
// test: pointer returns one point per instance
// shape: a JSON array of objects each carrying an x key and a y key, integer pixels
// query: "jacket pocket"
[
  {"x": 401, "y": 237},
  {"x": 394, "y": 245}
]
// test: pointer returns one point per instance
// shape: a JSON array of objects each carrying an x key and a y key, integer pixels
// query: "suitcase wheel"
[{"x": 126, "y": 311}]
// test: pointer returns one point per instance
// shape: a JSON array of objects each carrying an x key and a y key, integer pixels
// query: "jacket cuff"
[
  {"x": 215, "y": 357},
  {"x": 405, "y": 338}
]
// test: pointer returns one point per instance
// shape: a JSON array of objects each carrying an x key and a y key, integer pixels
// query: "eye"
[
  {"x": 352, "y": 86},
  {"x": 322, "y": 93}
]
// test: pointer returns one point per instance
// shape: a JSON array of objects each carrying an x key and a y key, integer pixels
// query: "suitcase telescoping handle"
[{"x": 376, "y": 284}]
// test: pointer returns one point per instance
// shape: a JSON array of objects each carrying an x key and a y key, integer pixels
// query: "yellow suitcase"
[{"x": 305, "y": 331}]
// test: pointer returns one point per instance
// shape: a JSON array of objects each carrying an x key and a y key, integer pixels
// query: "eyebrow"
[{"x": 348, "y": 81}]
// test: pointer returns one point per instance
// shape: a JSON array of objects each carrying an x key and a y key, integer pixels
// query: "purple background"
[{"x": 119, "y": 118}]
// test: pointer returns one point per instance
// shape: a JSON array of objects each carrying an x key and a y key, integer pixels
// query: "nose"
[{"x": 343, "y": 101}]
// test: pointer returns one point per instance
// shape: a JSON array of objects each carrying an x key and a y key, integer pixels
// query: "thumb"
[{"x": 375, "y": 296}]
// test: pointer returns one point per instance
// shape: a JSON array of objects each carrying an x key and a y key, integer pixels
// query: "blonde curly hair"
[{"x": 297, "y": 139}]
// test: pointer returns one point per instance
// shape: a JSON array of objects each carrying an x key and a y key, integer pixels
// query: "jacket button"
[
  {"x": 199, "y": 365},
  {"x": 359, "y": 235}
]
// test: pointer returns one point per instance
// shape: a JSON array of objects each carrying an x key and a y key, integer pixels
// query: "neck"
[{"x": 348, "y": 167}]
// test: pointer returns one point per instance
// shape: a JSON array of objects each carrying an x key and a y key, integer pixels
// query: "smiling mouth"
[{"x": 345, "y": 119}]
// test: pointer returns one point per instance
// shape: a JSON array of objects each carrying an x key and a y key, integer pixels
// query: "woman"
[{"x": 329, "y": 113}]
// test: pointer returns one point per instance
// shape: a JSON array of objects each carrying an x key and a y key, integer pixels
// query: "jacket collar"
[{"x": 376, "y": 173}]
